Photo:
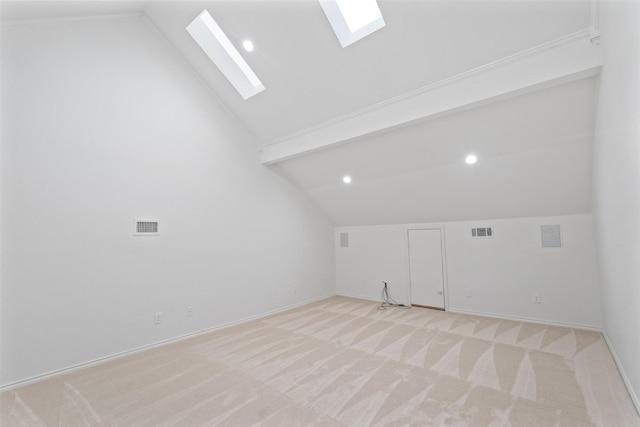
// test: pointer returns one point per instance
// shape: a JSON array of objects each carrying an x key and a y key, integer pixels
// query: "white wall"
[
  {"x": 102, "y": 123},
  {"x": 616, "y": 205},
  {"x": 503, "y": 272}
]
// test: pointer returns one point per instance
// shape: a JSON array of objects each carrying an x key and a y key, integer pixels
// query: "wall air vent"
[
  {"x": 146, "y": 227},
  {"x": 551, "y": 236},
  {"x": 482, "y": 232},
  {"x": 344, "y": 240}
]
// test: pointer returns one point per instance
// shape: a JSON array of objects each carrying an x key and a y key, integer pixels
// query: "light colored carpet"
[{"x": 339, "y": 362}]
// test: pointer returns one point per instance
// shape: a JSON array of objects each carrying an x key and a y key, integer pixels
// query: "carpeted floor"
[{"x": 341, "y": 361}]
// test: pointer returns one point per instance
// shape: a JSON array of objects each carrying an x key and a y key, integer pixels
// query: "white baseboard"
[
  {"x": 526, "y": 319},
  {"x": 623, "y": 374},
  {"x": 58, "y": 372},
  {"x": 368, "y": 298},
  {"x": 486, "y": 314},
  {"x": 627, "y": 383},
  {"x": 346, "y": 294}
]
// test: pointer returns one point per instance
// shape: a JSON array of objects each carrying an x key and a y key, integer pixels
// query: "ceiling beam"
[{"x": 560, "y": 61}]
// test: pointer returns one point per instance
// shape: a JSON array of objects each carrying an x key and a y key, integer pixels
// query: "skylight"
[
  {"x": 215, "y": 43},
  {"x": 352, "y": 20}
]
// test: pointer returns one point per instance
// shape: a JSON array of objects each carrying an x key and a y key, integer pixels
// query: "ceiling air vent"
[
  {"x": 146, "y": 227},
  {"x": 482, "y": 232}
]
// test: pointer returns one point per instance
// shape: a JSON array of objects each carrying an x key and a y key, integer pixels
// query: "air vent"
[
  {"x": 146, "y": 227},
  {"x": 482, "y": 232},
  {"x": 344, "y": 240},
  {"x": 551, "y": 236}
]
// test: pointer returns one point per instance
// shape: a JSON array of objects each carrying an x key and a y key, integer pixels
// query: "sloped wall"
[{"x": 102, "y": 122}]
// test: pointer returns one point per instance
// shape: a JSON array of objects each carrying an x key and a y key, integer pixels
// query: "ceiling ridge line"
[
  {"x": 584, "y": 33},
  {"x": 98, "y": 17}
]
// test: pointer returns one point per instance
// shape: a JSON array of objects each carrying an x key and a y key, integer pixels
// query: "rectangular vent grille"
[
  {"x": 482, "y": 232},
  {"x": 344, "y": 240},
  {"x": 551, "y": 236},
  {"x": 146, "y": 227}
]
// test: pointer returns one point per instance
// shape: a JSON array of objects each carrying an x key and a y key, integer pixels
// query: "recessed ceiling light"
[
  {"x": 471, "y": 159},
  {"x": 352, "y": 20},
  {"x": 346, "y": 179},
  {"x": 215, "y": 43},
  {"x": 247, "y": 45}
]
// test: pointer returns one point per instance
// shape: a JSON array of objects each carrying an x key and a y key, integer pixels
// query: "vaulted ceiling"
[{"x": 513, "y": 81}]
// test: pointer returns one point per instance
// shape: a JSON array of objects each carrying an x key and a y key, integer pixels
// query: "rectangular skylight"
[
  {"x": 352, "y": 20},
  {"x": 215, "y": 43}
]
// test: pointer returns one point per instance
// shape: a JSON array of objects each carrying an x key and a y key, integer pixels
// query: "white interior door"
[{"x": 426, "y": 268}]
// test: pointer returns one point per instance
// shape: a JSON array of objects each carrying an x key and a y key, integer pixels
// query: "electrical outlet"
[
  {"x": 537, "y": 298},
  {"x": 467, "y": 292},
  {"x": 295, "y": 288},
  {"x": 190, "y": 310},
  {"x": 157, "y": 318}
]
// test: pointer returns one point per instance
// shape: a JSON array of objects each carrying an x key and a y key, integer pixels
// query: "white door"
[{"x": 426, "y": 268}]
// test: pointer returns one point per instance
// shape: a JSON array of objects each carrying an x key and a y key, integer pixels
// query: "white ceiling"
[
  {"x": 534, "y": 145},
  {"x": 534, "y": 160},
  {"x": 310, "y": 79}
]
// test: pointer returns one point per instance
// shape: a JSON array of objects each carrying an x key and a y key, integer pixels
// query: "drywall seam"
[
  {"x": 623, "y": 374},
  {"x": 101, "y": 360}
]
